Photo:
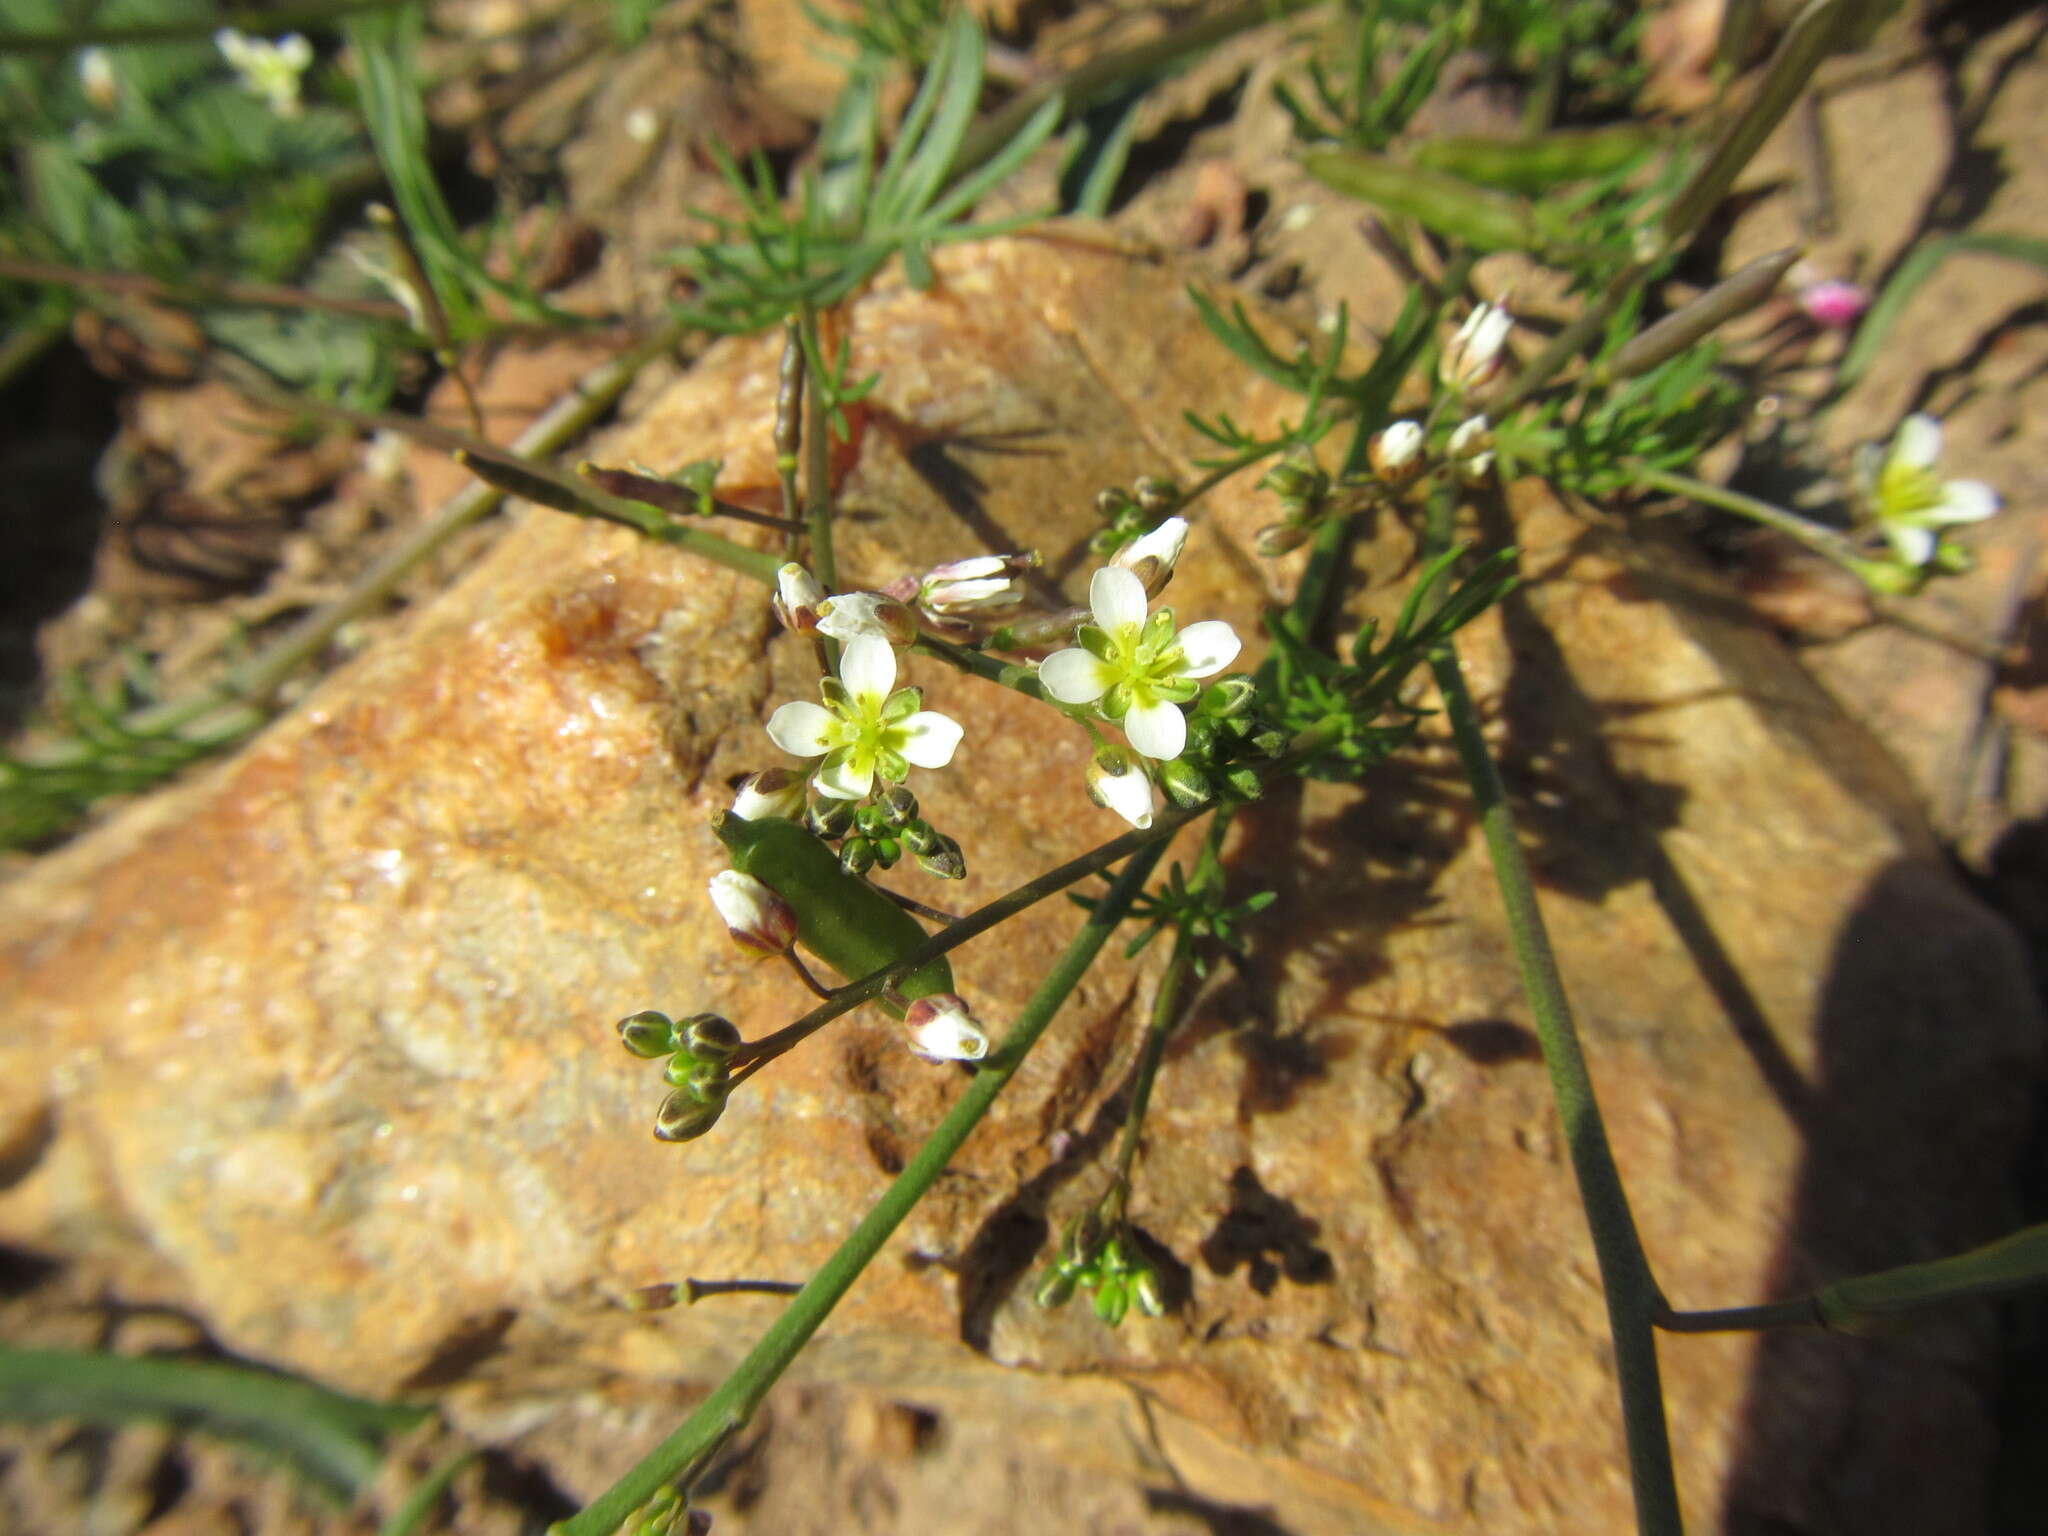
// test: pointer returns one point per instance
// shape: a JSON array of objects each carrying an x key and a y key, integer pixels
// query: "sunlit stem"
[
  {"x": 817, "y": 987},
  {"x": 817, "y": 452},
  {"x": 735, "y": 1400},
  {"x": 789, "y": 428},
  {"x": 1631, "y": 1291}
]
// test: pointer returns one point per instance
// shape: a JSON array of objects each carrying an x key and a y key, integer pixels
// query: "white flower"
[
  {"x": 853, "y": 614},
  {"x": 941, "y": 1029},
  {"x": 1396, "y": 451},
  {"x": 770, "y": 794},
  {"x": 270, "y": 70},
  {"x": 1473, "y": 355},
  {"x": 1139, "y": 669},
  {"x": 981, "y": 584},
  {"x": 1908, "y": 503},
  {"x": 97, "y": 79},
  {"x": 1117, "y": 784},
  {"x": 760, "y": 921},
  {"x": 1151, "y": 557},
  {"x": 864, "y": 730}
]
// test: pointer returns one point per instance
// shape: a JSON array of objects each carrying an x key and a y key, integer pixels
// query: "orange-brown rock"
[{"x": 319, "y": 1044}]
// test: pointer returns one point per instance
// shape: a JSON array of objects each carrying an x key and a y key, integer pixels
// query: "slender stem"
[
  {"x": 695, "y": 1291},
  {"x": 912, "y": 904},
  {"x": 817, "y": 988},
  {"x": 265, "y": 23},
  {"x": 733, "y": 1403},
  {"x": 1777, "y": 1314},
  {"x": 411, "y": 1515},
  {"x": 789, "y": 427},
  {"x": 1631, "y": 1292},
  {"x": 1822, "y": 541},
  {"x": 200, "y": 289},
  {"x": 817, "y": 449}
]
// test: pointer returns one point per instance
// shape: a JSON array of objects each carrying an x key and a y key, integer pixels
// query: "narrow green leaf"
[{"x": 1915, "y": 270}]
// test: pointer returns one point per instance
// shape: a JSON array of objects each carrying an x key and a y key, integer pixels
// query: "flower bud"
[
  {"x": 683, "y": 1118},
  {"x": 708, "y": 1037},
  {"x": 648, "y": 1034},
  {"x": 899, "y": 806},
  {"x": 830, "y": 819},
  {"x": 1471, "y": 449},
  {"x": 1112, "y": 1299},
  {"x": 1833, "y": 304},
  {"x": 97, "y": 79},
  {"x": 1228, "y": 697},
  {"x": 1185, "y": 784},
  {"x": 1055, "y": 1287},
  {"x": 1395, "y": 452},
  {"x": 759, "y": 920},
  {"x": 1244, "y": 782},
  {"x": 852, "y": 614},
  {"x": 701, "y": 1080},
  {"x": 856, "y": 855},
  {"x": 920, "y": 836},
  {"x": 1279, "y": 538},
  {"x": 943, "y": 858},
  {"x": 797, "y": 596},
  {"x": 1112, "y": 503},
  {"x": 1474, "y": 354},
  {"x": 1151, "y": 557},
  {"x": 941, "y": 1029},
  {"x": 771, "y": 794},
  {"x": 982, "y": 585},
  {"x": 1117, "y": 784},
  {"x": 1155, "y": 494}
]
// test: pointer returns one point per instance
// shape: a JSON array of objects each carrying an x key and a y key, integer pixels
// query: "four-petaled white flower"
[
  {"x": 270, "y": 70},
  {"x": 1138, "y": 670},
  {"x": 865, "y": 730},
  {"x": 1909, "y": 504}
]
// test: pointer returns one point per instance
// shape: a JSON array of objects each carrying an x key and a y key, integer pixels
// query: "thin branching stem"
[
  {"x": 1631, "y": 1292},
  {"x": 735, "y": 1400}
]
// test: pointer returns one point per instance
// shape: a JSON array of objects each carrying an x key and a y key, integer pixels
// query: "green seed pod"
[
  {"x": 1535, "y": 165},
  {"x": 1447, "y": 205},
  {"x": 1279, "y": 538},
  {"x": 708, "y": 1037},
  {"x": 648, "y": 1034},
  {"x": 682, "y": 1118},
  {"x": 842, "y": 920},
  {"x": 1694, "y": 322}
]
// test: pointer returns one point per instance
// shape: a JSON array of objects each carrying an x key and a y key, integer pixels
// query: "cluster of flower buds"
[
  {"x": 1309, "y": 498},
  {"x": 806, "y": 608},
  {"x": 1129, "y": 514},
  {"x": 1228, "y": 742},
  {"x": 668, "y": 1513},
  {"x": 881, "y": 831},
  {"x": 1112, "y": 1267},
  {"x": 699, "y": 1051}
]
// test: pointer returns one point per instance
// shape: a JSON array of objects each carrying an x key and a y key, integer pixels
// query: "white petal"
[
  {"x": 295, "y": 51},
  {"x": 1075, "y": 676},
  {"x": 1129, "y": 794},
  {"x": 1163, "y": 544},
  {"x": 1915, "y": 545},
  {"x": 846, "y": 782},
  {"x": 927, "y": 738},
  {"x": 941, "y": 1029},
  {"x": 868, "y": 667},
  {"x": 1919, "y": 441},
  {"x": 1157, "y": 729},
  {"x": 1964, "y": 501},
  {"x": 1210, "y": 646},
  {"x": 1117, "y": 598},
  {"x": 804, "y": 730}
]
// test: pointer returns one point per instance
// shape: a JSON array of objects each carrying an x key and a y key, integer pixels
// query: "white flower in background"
[
  {"x": 97, "y": 79},
  {"x": 941, "y": 1029},
  {"x": 1473, "y": 356},
  {"x": 1117, "y": 784},
  {"x": 769, "y": 794},
  {"x": 1151, "y": 557},
  {"x": 864, "y": 730},
  {"x": 1471, "y": 448},
  {"x": 760, "y": 921},
  {"x": 981, "y": 584},
  {"x": 1395, "y": 451},
  {"x": 851, "y": 615},
  {"x": 1908, "y": 503},
  {"x": 270, "y": 70},
  {"x": 1138, "y": 671}
]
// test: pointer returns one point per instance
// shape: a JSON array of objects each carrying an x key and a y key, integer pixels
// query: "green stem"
[
  {"x": 1822, "y": 541},
  {"x": 269, "y": 23},
  {"x": 740, "y": 1394},
  {"x": 817, "y": 448},
  {"x": 1631, "y": 1292}
]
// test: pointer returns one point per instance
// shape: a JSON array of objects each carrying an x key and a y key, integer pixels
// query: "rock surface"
[{"x": 320, "y": 1046}]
